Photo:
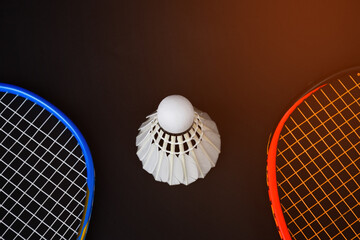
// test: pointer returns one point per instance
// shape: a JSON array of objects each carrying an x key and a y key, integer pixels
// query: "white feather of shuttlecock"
[{"x": 181, "y": 158}]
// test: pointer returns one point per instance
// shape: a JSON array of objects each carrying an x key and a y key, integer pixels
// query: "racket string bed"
[
  {"x": 318, "y": 164},
  {"x": 43, "y": 173}
]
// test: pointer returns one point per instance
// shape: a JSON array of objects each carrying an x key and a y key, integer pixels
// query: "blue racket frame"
[{"x": 81, "y": 140}]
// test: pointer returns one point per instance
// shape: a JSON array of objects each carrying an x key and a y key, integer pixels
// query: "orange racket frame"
[{"x": 271, "y": 170}]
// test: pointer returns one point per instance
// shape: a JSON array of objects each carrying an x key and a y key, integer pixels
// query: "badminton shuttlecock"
[{"x": 178, "y": 144}]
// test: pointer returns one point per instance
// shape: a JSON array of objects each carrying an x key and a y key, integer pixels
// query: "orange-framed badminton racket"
[{"x": 313, "y": 170}]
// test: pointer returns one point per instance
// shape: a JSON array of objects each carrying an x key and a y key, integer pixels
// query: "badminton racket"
[
  {"x": 313, "y": 170},
  {"x": 46, "y": 170}
]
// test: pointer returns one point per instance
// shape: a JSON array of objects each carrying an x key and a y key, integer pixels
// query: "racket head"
[
  {"x": 75, "y": 136},
  {"x": 294, "y": 216}
]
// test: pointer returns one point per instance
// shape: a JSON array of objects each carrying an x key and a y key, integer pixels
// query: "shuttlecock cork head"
[{"x": 175, "y": 114}]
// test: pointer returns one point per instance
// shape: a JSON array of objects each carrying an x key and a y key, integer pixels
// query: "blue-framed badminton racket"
[{"x": 46, "y": 170}]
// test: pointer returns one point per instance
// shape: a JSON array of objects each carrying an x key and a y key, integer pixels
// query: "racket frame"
[
  {"x": 271, "y": 170},
  {"x": 272, "y": 152},
  {"x": 82, "y": 143}
]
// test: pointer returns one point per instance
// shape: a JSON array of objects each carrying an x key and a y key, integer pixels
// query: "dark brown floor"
[{"x": 107, "y": 64}]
